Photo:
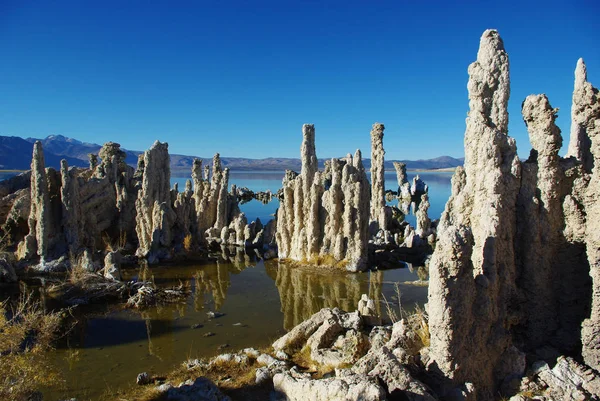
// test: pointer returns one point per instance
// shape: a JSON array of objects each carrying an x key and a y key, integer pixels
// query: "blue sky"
[{"x": 240, "y": 78}]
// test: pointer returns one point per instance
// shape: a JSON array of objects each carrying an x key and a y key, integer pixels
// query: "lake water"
[
  {"x": 438, "y": 182},
  {"x": 260, "y": 301}
]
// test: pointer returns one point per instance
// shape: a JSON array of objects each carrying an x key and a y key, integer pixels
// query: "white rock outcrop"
[
  {"x": 403, "y": 184},
  {"x": 36, "y": 242},
  {"x": 472, "y": 271},
  {"x": 345, "y": 386},
  {"x": 586, "y": 119},
  {"x": 378, "y": 213},
  {"x": 517, "y": 261},
  {"x": 324, "y": 225},
  {"x": 154, "y": 214}
]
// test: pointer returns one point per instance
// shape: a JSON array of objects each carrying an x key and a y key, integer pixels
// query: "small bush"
[
  {"x": 187, "y": 243},
  {"x": 26, "y": 334},
  {"x": 419, "y": 323}
]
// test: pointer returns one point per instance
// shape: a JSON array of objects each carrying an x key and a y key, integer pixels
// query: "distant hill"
[{"x": 15, "y": 154}]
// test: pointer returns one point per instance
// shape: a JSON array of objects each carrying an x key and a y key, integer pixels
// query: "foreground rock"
[
  {"x": 345, "y": 386},
  {"x": 200, "y": 389},
  {"x": 376, "y": 355},
  {"x": 567, "y": 380}
]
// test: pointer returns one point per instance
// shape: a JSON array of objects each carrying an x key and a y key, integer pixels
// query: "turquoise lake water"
[{"x": 438, "y": 182}]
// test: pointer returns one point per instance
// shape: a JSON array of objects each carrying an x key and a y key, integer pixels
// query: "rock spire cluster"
[
  {"x": 510, "y": 274},
  {"x": 315, "y": 223}
]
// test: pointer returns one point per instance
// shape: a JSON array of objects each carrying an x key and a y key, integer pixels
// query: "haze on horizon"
[{"x": 241, "y": 79}]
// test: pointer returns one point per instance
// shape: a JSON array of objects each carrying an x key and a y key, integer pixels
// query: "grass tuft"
[
  {"x": 187, "y": 243},
  {"x": 26, "y": 334}
]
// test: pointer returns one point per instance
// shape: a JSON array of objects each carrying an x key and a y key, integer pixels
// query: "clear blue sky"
[{"x": 240, "y": 78}]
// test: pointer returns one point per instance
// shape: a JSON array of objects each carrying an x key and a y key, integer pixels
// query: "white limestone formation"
[
  {"x": 517, "y": 246},
  {"x": 112, "y": 265},
  {"x": 403, "y": 184},
  {"x": 582, "y": 119},
  {"x": 314, "y": 224},
  {"x": 418, "y": 187},
  {"x": 36, "y": 242},
  {"x": 472, "y": 271},
  {"x": 185, "y": 213},
  {"x": 71, "y": 206},
  {"x": 423, "y": 228},
  {"x": 378, "y": 213},
  {"x": 155, "y": 216},
  {"x": 586, "y": 118}
]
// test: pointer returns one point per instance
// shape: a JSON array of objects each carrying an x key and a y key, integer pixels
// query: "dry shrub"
[
  {"x": 187, "y": 243},
  {"x": 423, "y": 273},
  {"x": 78, "y": 274},
  {"x": 5, "y": 240},
  {"x": 26, "y": 334},
  {"x": 391, "y": 312},
  {"x": 418, "y": 322},
  {"x": 113, "y": 246}
]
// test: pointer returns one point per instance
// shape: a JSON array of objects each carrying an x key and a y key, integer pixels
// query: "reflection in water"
[
  {"x": 213, "y": 281},
  {"x": 375, "y": 289},
  {"x": 305, "y": 291},
  {"x": 258, "y": 300}
]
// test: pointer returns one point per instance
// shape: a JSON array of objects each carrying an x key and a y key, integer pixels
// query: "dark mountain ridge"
[{"x": 15, "y": 154}]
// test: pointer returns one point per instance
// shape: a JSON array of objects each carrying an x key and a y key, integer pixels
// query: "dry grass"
[
  {"x": 326, "y": 261},
  {"x": 418, "y": 322},
  {"x": 391, "y": 312},
  {"x": 5, "y": 241},
  {"x": 422, "y": 273},
  {"x": 187, "y": 243},
  {"x": 77, "y": 274},
  {"x": 303, "y": 359},
  {"x": 26, "y": 333},
  {"x": 113, "y": 246}
]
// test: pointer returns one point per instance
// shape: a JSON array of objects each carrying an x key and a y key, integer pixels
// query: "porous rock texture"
[
  {"x": 345, "y": 386},
  {"x": 378, "y": 212},
  {"x": 217, "y": 214},
  {"x": 423, "y": 228},
  {"x": 379, "y": 360},
  {"x": 154, "y": 215},
  {"x": 111, "y": 206},
  {"x": 36, "y": 242},
  {"x": 510, "y": 273},
  {"x": 317, "y": 222},
  {"x": 81, "y": 207},
  {"x": 472, "y": 271},
  {"x": 403, "y": 185},
  {"x": 586, "y": 117}
]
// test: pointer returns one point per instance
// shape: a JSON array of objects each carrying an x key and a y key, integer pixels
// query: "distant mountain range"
[{"x": 15, "y": 154}]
